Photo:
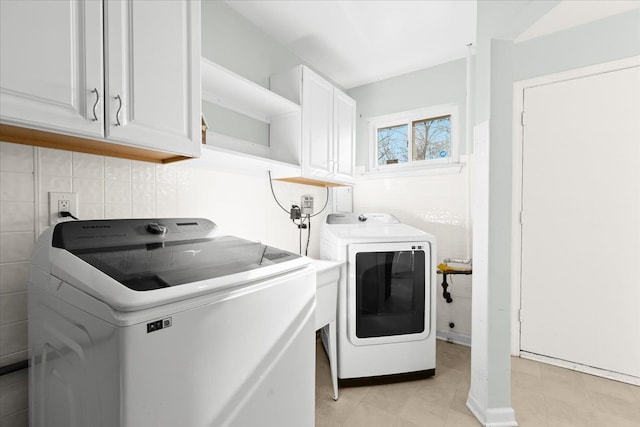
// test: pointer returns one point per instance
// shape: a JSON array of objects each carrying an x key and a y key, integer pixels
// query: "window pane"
[
  {"x": 432, "y": 138},
  {"x": 393, "y": 145}
]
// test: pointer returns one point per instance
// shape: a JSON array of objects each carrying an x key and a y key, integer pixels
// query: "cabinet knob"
[
  {"x": 118, "y": 112},
  {"x": 95, "y": 104}
]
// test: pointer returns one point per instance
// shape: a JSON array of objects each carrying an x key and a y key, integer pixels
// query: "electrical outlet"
[
  {"x": 62, "y": 202},
  {"x": 306, "y": 205},
  {"x": 64, "y": 206}
]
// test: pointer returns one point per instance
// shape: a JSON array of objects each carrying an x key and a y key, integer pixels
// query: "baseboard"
[
  {"x": 454, "y": 338},
  {"x": 492, "y": 417},
  {"x": 616, "y": 376}
]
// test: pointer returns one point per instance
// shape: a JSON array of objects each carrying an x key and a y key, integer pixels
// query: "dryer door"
[{"x": 388, "y": 292}]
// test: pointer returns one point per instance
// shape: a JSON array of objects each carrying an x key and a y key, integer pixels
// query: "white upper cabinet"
[
  {"x": 344, "y": 128},
  {"x": 126, "y": 72},
  {"x": 323, "y": 141},
  {"x": 51, "y": 65},
  {"x": 317, "y": 126},
  {"x": 153, "y": 79}
]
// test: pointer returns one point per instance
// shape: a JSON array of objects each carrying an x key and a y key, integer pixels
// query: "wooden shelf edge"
[
  {"x": 314, "y": 182},
  {"x": 39, "y": 138}
]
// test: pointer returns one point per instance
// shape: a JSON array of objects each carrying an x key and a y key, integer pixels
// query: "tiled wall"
[
  {"x": 115, "y": 188},
  {"x": 17, "y": 234}
]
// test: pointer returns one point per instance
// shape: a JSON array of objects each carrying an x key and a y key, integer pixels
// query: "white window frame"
[{"x": 407, "y": 118}]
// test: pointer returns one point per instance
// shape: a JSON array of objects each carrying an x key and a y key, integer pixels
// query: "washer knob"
[
  {"x": 155, "y": 228},
  {"x": 362, "y": 218}
]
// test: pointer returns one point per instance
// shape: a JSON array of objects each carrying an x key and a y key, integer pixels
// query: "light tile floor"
[{"x": 542, "y": 396}]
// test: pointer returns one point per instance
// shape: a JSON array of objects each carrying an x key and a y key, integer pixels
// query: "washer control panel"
[{"x": 124, "y": 232}]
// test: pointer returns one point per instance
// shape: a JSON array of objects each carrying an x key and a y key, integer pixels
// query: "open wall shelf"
[
  {"x": 229, "y": 90},
  {"x": 228, "y": 160}
]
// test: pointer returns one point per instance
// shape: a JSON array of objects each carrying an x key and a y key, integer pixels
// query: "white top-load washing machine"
[
  {"x": 166, "y": 322},
  {"x": 386, "y": 301}
]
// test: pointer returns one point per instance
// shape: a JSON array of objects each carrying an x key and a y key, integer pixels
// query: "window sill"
[{"x": 448, "y": 169}]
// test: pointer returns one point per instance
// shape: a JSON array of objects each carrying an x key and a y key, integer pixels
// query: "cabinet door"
[
  {"x": 344, "y": 126},
  {"x": 317, "y": 128},
  {"x": 51, "y": 61},
  {"x": 153, "y": 74}
]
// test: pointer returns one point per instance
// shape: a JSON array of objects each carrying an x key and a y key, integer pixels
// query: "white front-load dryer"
[{"x": 386, "y": 301}]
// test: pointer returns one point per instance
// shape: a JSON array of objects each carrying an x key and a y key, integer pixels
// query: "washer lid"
[{"x": 146, "y": 255}]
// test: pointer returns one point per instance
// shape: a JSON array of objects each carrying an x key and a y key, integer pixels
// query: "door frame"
[{"x": 516, "y": 196}]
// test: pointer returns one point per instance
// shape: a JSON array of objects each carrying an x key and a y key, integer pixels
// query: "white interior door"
[{"x": 580, "y": 294}]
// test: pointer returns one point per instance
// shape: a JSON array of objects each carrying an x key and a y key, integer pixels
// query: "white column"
[{"x": 478, "y": 400}]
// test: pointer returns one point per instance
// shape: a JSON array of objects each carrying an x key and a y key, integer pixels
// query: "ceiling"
[{"x": 359, "y": 42}]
